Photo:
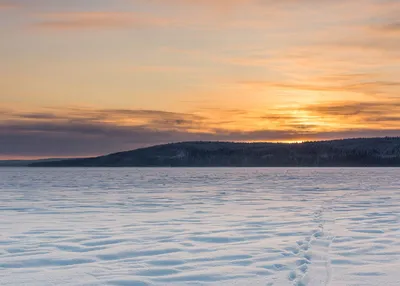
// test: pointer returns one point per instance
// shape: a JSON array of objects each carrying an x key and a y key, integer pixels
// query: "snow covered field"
[{"x": 200, "y": 226}]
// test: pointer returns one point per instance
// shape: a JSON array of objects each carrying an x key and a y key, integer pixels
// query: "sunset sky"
[{"x": 88, "y": 77}]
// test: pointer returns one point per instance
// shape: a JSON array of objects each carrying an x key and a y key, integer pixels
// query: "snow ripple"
[{"x": 199, "y": 227}]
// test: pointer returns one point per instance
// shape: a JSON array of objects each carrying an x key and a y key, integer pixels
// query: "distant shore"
[{"x": 361, "y": 152}]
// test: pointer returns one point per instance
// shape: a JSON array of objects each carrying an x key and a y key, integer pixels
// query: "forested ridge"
[{"x": 347, "y": 152}]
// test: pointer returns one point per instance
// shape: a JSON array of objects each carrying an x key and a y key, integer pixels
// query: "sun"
[
  {"x": 278, "y": 141},
  {"x": 292, "y": 141}
]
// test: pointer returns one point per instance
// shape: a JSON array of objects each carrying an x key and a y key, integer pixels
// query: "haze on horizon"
[{"x": 82, "y": 78}]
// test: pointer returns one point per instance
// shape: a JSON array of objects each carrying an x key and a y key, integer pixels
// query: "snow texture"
[{"x": 272, "y": 226}]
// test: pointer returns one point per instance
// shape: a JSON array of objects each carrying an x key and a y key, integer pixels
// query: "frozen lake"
[{"x": 200, "y": 226}]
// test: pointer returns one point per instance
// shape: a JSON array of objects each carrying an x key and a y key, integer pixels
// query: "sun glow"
[
  {"x": 104, "y": 76},
  {"x": 293, "y": 141}
]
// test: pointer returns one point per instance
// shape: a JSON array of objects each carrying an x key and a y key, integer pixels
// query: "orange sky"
[{"x": 80, "y": 78}]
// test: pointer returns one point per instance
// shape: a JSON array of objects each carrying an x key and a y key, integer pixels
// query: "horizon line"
[{"x": 35, "y": 158}]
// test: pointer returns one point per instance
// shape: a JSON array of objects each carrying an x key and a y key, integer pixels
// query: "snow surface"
[{"x": 200, "y": 226}]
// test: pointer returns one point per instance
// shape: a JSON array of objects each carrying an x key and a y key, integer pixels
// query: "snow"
[{"x": 133, "y": 226}]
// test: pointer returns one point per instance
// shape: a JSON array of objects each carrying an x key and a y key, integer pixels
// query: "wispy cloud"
[
  {"x": 355, "y": 108},
  {"x": 159, "y": 69},
  {"x": 99, "y": 20},
  {"x": 6, "y": 5},
  {"x": 79, "y": 132},
  {"x": 391, "y": 28},
  {"x": 85, "y": 139},
  {"x": 270, "y": 70}
]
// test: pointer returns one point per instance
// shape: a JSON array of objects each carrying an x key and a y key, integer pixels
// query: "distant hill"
[
  {"x": 368, "y": 152},
  {"x": 24, "y": 163}
]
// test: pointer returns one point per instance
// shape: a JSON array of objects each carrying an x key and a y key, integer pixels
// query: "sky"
[{"x": 90, "y": 77}]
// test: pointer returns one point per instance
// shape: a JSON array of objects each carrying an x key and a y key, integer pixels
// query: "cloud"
[
  {"x": 66, "y": 139},
  {"x": 380, "y": 113},
  {"x": 368, "y": 88},
  {"x": 308, "y": 68},
  {"x": 85, "y": 132},
  {"x": 99, "y": 20},
  {"x": 37, "y": 116},
  {"x": 150, "y": 119},
  {"x": 6, "y": 5},
  {"x": 159, "y": 69},
  {"x": 220, "y": 5},
  {"x": 392, "y": 28},
  {"x": 49, "y": 139},
  {"x": 186, "y": 14}
]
